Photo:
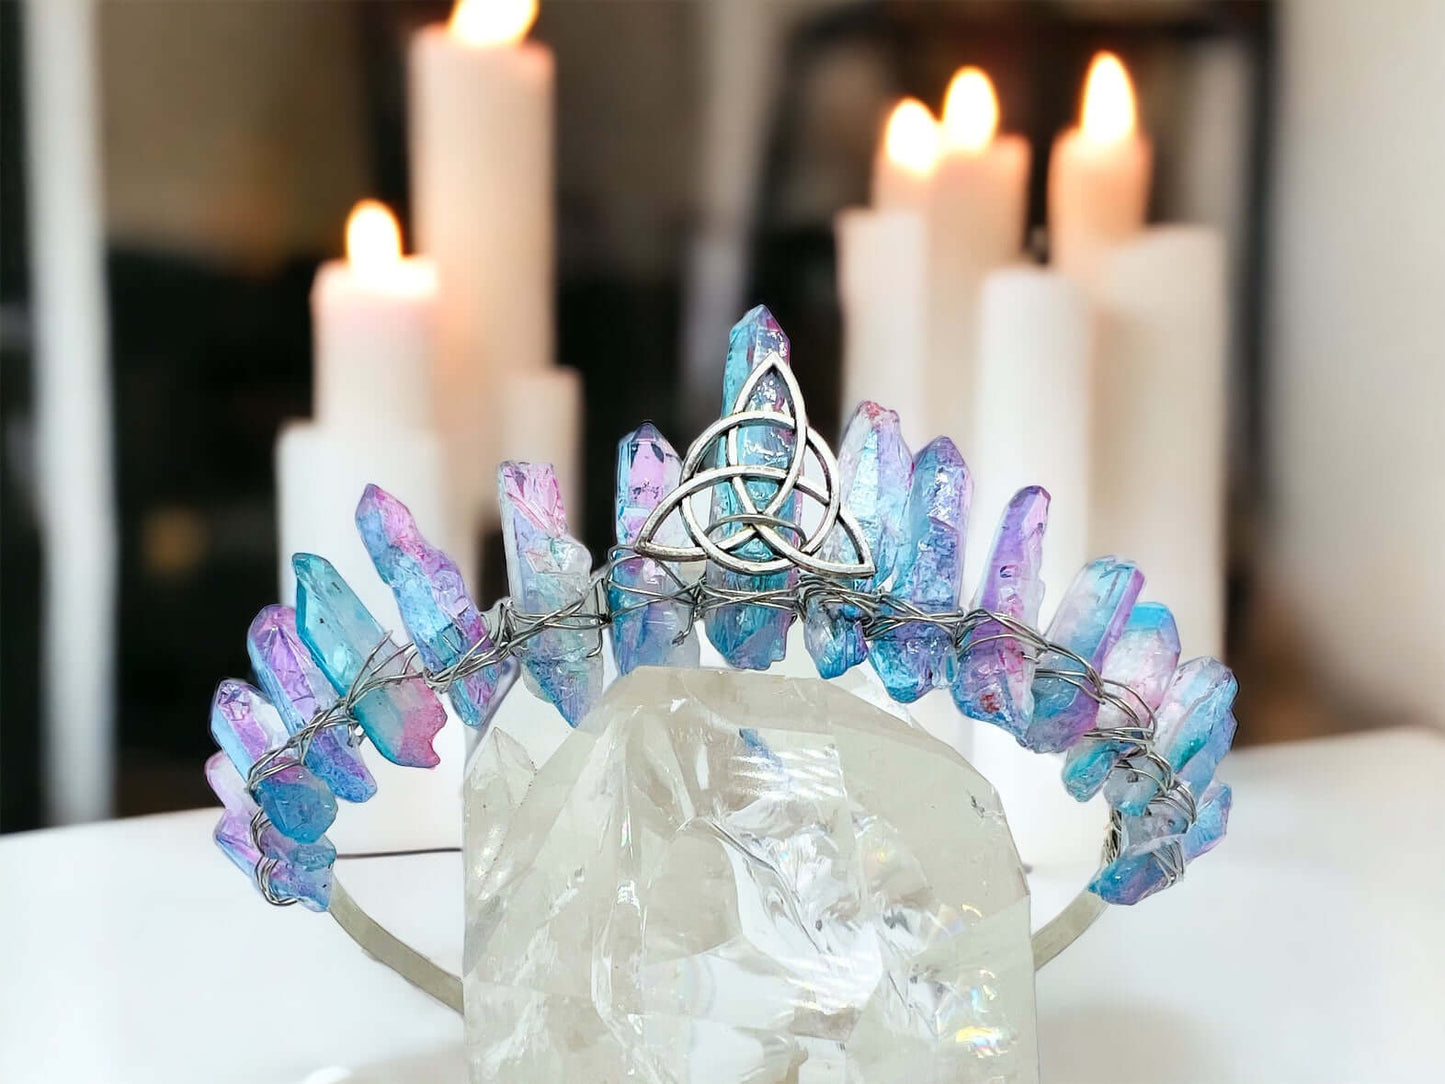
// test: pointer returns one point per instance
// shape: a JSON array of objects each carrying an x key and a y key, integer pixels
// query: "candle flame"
[
  {"x": 492, "y": 22},
  {"x": 970, "y": 111},
  {"x": 373, "y": 239},
  {"x": 1108, "y": 113},
  {"x": 911, "y": 138}
]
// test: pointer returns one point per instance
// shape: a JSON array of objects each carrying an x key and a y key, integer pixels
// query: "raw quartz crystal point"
[
  {"x": 917, "y": 656},
  {"x": 1089, "y": 621},
  {"x": 246, "y": 727},
  {"x": 227, "y": 785},
  {"x": 296, "y": 686},
  {"x": 311, "y": 886},
  {"x": 436, "y": 609},
  {"x": 671, "y": 901},
  {"x": 1142, "y": 663},
  {"x": 995, "y": 674},
  {"x": 401, "y": 717},
  {"x": 753, "y": 637},
  {"x": 1143, "y": 867},
  {"x": 548, "y": 569},
  {"x": 644, "y": 632},
  {"x": 874, "y": 468}
]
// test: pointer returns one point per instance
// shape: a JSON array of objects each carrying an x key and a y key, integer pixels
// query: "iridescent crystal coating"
[
  {"x": 672, "y": 901},
  {"x": 548, "y": 569},
  {"x": 753, "y": 637},
  {"x": 1198, "y": 770},
  {"x": 874, "y": 469},
  {"x": 227, "y": 785},
  {"x": 311, "y": 886},
  {"x": 1198, "y": 701},
  {"x": 995, "y": 676},
  {"x": 1143, "y": 867},
  {"x": 1142, "y": 663},
  {"x": 917, "y": 656},
  {"x": 299, "y": 690},
  {"x": 247, "y": 727},
  {"x": 1089, "y": 621},
  {"x": 431, "y": 595},
  {"x": 402, "y": 717},
  {"x": 648, "y": 633}
]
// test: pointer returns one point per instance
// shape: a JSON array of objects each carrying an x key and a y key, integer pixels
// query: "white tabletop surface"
[{"x": 1309, "y": 947}]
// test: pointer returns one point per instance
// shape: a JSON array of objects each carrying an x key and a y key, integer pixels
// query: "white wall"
[{"x": 1357, "y": 415}]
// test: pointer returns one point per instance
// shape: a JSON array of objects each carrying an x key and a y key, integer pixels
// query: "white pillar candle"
[
  {"x": 1159, "y": 422},
  {"x": 541, "y": 422},
  {"x": 882, "y": 290},
  {"x": 977, "y": 209},
  {"x": 907, "y": 154},
  {"x": 1098, "y": 174},
  {"x": 373, "y": 321},
  {"x": 481, "y": 116}
]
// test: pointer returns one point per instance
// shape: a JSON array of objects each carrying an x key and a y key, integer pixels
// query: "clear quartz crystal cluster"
[{"x": 724, "y": 877}]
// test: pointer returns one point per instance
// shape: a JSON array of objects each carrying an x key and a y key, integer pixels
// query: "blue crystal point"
[
  {"x": 918, "y": 656},
  {"x": 401, "y": 718},
  {"x": 648, "y": 631},
  {"x": 227, "y": 785},
  {"x": 311, "y": 886},
  {"x": 548, "y": 569},
  {"x": 1143, "y": 867}
]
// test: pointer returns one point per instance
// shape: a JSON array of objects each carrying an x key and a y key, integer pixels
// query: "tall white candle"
[
  {"x": 978, "y": 205},
  {"x": 1159, "y": 422},
  {"x": 541, "y": 422},
  {"x": 883, "y": 290},
  {"x": 1098, "y": 174},
  {"x": 906, "y": 157},
  {"x": 481, "y": 116}
]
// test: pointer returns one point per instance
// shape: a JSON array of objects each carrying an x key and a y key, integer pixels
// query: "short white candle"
[
  {"x": 1098, "y": 174},
  {"x": 906, "y": 157}
]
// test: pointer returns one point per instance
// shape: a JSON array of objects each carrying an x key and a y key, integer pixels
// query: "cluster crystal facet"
[
  {"x": 432, "y": 597},
  {"x": 296, "y": 686},
  {"x": 918, "y": 656},
  {"x": 1089, "y": 621},
  {"x": 247, "y": 727},
  {"x": 750, "y": 636},
  {"x": 874, "y": 469},
  {"x": 726, "y": 877},
  {"x": 995, "y": 674},
  {"x": 547, "y": 570},
  {"x": 647, "y": 631},
  {"x": 402, "y": 717},
  {"x": 1149, "y": 862}
]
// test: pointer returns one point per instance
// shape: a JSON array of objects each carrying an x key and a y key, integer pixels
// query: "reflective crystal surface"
[
  {"x": 1143, "y": 867},
  {"x": 753, "y": 637},
  {"x": 1142, "y": 662},
  {"x": 402, "y": 717},
  {"x": 246, "y": 727},
  {"x": 725, "y": 877},
  {"x": 648, "y": 633},
  {"x": 995, "y": 674},
  {"x": 311, "y": 886},
  {"x": 227, "y": 785},
  {"x": 874, "y": 469},
  {"x": 917, "y": 656},
  {"x": 1089, "y": 621},
  {"x": 298, "y": 689},
  {"x": 431, "y": 595},
  {"x": 548, "y": 569}
]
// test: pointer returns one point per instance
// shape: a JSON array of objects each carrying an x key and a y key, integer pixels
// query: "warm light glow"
[
  {"x": 911, "y": 138},
  {"x": 970, "y": 111},
  {"x": 373, "y": 239},
  {"x": 492, "y": 22},
  {"x": 1108, "y": 113}
]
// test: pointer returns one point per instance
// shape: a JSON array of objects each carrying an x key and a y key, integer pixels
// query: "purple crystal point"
[
  {"x": 1089, "y": 621},
  {"x": 1139, "y": 668},
  {"x": 227, "y": 785},
  {"x": 401, "y": 717},
  {"x": 311, "y": 886},
  {"x": 299, "y": 690},
  {"x": 874, "y": 469},
  {"x": 753, "y": 637},
  {"x": 648, "y": 632},
  {"x": 995, "y": 671},
  {"x": 1144, "y": 867},
  {"x": 436, "y": 609},
  {"x": 247, "y": 727},
  {"x": 547, "y": 570},
  {"x": 918, "y": 656}
]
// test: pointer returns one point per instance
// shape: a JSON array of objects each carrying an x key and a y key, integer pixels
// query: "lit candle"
[
  {"x": 481, "y": 115},
  {"x": 977, "y": 210},
  {"x": 1098, "y": 175},
  {"x": 907, "y": 155}
]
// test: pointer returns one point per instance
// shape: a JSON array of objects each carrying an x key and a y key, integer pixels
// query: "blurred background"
[{"x": 702, "y": 152}]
